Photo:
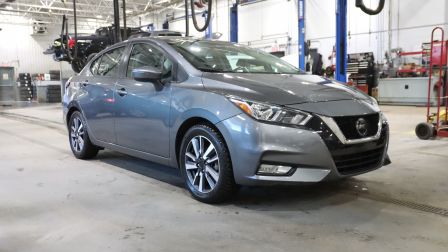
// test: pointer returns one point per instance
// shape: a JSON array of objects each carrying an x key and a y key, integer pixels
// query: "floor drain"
[{"x": 404, "y": 203}]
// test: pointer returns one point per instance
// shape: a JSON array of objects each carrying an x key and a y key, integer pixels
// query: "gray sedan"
[{"x": 224, "y": 114}]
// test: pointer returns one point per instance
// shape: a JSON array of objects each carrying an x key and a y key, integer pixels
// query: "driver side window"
[
  {"x": 147, "y": 55},
  {"x": 109, "y": 63}
]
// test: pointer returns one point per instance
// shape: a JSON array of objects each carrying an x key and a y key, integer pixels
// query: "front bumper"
[{"x": 314, "y": 155}]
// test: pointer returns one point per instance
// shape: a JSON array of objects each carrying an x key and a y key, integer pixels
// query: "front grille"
[
  {"x": 358, "y": 162},
  {"x": 352, "y": 159},
  {"x": 347, "y": 124}
]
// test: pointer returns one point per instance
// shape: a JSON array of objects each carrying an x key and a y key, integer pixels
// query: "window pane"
[
  {"x": 109, "y": 62},
  {"x": 147, "y": 55},
  {"x": 211, "y": 56},
  {"x": 94, "y": 66}
]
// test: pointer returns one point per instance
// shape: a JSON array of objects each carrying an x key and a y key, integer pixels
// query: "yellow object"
[{"x": 433, "y": 117}]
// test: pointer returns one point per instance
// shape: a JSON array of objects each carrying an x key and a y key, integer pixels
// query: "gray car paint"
[
  {"x": 149, "y": 116},
  {"x": 279, "y": 88}
]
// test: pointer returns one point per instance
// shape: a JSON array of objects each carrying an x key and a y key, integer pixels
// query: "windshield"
[{"x": 209, "y": 56}]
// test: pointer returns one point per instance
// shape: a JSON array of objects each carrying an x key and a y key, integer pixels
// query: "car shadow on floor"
[
  {"x": 302, "y": 197},
  {"x": 143, "y": 167}
]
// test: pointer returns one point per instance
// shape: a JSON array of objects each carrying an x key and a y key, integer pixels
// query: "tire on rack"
[
  {"x": 79, "y": 139},
  {"x": 206, "y": 165},
  {"x": 425, "y": 131}
]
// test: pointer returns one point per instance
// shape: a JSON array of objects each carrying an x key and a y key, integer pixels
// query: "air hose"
[
  {"x": 360, "y": 4},
  {"x": 209, "y": 14}
]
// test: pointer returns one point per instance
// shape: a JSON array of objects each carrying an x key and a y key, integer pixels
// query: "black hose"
[
  {"x": 360, "y": 4},
  {"x": 207, "y": 21}
]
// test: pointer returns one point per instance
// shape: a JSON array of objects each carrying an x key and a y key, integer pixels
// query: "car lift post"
[
  {"x": 341, "y": 41},
  {"x": 187, "y": 25},
  {"x": 117, "y": 36},
  {"x": 302, "y": 34},
  {"x": 76, "y": 30},
  {"x": 125, "y": 33},
  {"x": 234, "y": 23},
  {"x": 209, "y": 31}
]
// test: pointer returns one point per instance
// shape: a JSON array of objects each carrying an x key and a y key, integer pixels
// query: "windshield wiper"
[{"x": 212, "y": 70}]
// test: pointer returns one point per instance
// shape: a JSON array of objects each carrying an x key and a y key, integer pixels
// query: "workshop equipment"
[
  {"x": 436, "y": 122},
  {"x": 361, "y": 71},
  {"x": 24, "y": 87}
]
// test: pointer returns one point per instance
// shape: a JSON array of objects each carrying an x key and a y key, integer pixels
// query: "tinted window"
[
  {"x": 109, "y": 62},
  {"x": 147, "y": 55},
  {"x": 94, "y": 66}
]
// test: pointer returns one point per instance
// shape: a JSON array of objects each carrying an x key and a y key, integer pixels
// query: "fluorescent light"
[
  {"x": 128, "y": 11},
  {"x": 99, "y": 16},
  {"x": 9, "y": 7}
]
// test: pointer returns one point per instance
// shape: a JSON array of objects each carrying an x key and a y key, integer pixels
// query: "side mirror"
[{"x": 147, "y": 74}]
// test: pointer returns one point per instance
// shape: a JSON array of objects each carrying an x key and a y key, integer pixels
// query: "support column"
[
  {"x": 341, "y": 41},
  {"x": 187, "y": 20},
  {"x": 234, "y": 23},
  {"x": 117, "y": 37},
  {"x": 125, "y": 35},
  {"x": 75, "y": 54},
  {"x": 302, "y": 34}
]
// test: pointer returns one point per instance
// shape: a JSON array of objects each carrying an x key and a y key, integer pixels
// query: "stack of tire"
[
  {"x": 25, "y": 87},
  {"x": 53, "y": 93},
  {"x": 55, "y": 75}
]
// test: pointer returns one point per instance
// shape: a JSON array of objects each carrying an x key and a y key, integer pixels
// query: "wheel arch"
[
  {"x": 185, "y": 126},
  {"x": 70, "y": 112}
]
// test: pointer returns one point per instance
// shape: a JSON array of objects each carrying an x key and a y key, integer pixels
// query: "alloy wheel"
[
  {"x": 202, "y": 164},
  {"x": 77, "y": 134}
]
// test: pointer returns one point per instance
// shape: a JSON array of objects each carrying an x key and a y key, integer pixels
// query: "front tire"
[
  {"x": 79, "y": 139},
  {"x": 206, "y": 165}
]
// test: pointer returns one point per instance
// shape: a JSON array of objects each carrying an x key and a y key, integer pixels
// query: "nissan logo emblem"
[{"x": 361, "y": 126}]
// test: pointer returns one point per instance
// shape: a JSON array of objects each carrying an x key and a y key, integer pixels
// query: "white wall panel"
[
  {"x": 21, "y": 49},
  {"x": 266, "y": 22}
]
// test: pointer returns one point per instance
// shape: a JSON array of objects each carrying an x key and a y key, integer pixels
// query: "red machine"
[
  {"x": 436, "y": 123},
  {"x": 412, "y": 70}
]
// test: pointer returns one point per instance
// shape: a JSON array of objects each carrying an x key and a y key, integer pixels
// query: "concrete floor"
[{"x": 50, "y": 201}]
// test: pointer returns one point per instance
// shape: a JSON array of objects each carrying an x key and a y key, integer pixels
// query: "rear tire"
[
  {"x": 206, "y": 165},
  {"x": 79, "y": 139},
  {"x": 425, "y": 131}
]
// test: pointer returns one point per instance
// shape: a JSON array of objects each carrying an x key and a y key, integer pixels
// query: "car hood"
[{"x": 281, "y": 89}]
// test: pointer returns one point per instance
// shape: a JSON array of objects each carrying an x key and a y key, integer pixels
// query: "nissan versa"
[{"x": 224, "y": 114}]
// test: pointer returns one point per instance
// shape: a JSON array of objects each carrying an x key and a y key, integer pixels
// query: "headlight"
[
  {"x": 374, "y": 103},
  {"x": 383, "y": 118},
  {"x": 271, "y": 113}
]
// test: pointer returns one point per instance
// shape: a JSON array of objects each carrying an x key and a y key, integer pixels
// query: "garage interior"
[{"x": 51, "y": 201}]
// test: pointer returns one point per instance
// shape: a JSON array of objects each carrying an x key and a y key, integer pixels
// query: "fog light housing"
[{"x": 275, "y": 170}]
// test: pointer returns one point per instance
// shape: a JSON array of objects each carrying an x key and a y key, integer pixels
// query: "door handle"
[{"x": 122, "y": 92}]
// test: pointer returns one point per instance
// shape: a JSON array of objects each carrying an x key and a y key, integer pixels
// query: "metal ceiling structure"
[{"x": 92, "y": 13}]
